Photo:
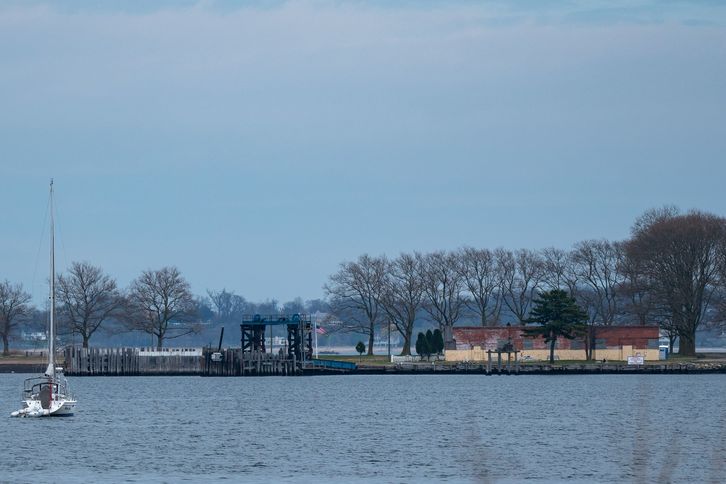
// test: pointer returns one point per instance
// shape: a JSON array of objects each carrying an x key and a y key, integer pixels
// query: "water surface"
[{"x": 458, "y": 428}]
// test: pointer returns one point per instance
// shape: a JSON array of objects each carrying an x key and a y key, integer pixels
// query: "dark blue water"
[{"x": 466, "y": 428}]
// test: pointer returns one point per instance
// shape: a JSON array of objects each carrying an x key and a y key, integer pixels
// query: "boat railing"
[{"x": 33, "y": 386}]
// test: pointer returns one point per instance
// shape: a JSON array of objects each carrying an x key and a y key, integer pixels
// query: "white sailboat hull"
[{"x": 56, "y": 408}]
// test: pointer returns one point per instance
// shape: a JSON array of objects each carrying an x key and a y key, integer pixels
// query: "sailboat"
[{"x": 48, "y": 395}]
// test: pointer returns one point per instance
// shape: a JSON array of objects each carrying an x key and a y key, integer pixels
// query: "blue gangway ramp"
[{"x": 333, "y": 365}]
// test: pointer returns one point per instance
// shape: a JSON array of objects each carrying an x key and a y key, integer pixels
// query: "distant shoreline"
[
  {"x": 13, "y": 367},
  {"x": 546, "y": 369},
  {"x": 463, "y": 369}
]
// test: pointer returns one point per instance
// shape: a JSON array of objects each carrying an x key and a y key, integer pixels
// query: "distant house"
[
  {"x": 610, "y": 343},
  {"x": 33, "y": 336}
]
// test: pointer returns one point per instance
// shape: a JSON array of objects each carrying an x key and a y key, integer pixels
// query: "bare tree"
[
  {"x": 13, "y": 308},
  {"x": 227, "y": 305},
  {"x": 521, "y": 275},
  {"x": 313, "y": 306},
  {"x": 296, "y": 306},
  {"x": 720, "y": 296},
  {"x": 402, "y": 296},
  {"x": 671, "y": 328},
  {"x": 88, "y": 298},
  {"x": 638, "y": 297},
  {"x": 599, "y": 266},
  {"x": 355, "y": 292},
  {"x": 680, "y": 256},
  {"x": 443, "y": 284},
  {"x": 159, "y": 299},
  {"x": 478, "y": 270},
  {"x": 653, "y": 216},
  {"x": 269, "y": 306},
  {"x": 559, "y": 270}
]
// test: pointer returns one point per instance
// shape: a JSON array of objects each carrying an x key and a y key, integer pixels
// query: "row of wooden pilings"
[
  {"x": 235, "y": 362},
  {"x": 501, "y": 366},
  {"x": 132, "y": 361},
  {"x": 176, "y": 361}
]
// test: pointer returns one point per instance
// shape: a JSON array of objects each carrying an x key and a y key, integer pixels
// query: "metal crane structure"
[{"x": 299, "y": 334}]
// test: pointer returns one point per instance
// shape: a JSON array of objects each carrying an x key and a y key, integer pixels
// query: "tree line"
[
  {"x": 671, "y": 271},
  {"x": 159, "y": 303}
]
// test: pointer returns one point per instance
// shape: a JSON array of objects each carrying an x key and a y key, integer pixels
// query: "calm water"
[{"x": 466, "y": 428}]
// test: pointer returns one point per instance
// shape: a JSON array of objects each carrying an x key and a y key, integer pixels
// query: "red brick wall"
[
  {"x": 489, "y": 338},
  {"x": 637, "y": 336}
]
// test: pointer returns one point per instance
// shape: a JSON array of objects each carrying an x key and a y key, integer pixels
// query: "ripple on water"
[{"x": 425, "y": 428}]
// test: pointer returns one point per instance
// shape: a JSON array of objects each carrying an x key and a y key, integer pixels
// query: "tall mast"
[{"x": 50, "y": 371}]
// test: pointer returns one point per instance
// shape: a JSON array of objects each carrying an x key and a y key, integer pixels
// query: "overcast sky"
[{"x": 258, "y": 147}]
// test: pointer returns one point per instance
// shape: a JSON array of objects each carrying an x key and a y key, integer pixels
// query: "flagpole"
[{"x": 315, "y": 330}]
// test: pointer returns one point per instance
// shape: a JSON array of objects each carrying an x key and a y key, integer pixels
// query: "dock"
[
  {"x": 193, "y": 361},
  {"x": 235, "y": 362},
  {"x": 132, "y": 361}
]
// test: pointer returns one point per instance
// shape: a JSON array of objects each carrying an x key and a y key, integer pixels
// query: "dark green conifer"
[
  {"x": 438, "y": 342},
  {"x": 422, "y": 346},
  {"x": 430, "y": 343},
  {"x": 558, "y": 316},
  {"x": 360, "y": 348}
]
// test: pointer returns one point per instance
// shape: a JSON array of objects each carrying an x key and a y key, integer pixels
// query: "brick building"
[{"x": 610, "y": 342}]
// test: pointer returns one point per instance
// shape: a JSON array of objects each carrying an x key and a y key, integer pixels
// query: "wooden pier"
[
  {"x": 178, "y": 361},
  {"x": 250, "y": 359},
  {"x": 132, "y": 361},
  {"x": 235, "y": 362}
]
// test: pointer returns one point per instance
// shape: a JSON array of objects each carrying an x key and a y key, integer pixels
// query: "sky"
[{"x": 258, "y": 145}]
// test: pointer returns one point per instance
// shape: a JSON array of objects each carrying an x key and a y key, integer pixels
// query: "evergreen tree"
[
  {"x": 431, "y": 345},
  {"x": 438, "y": 347},
  {"x": 558, "y": 316},
  {"x": 360, "y": 348},
  {"x": 422, "y": 346}
]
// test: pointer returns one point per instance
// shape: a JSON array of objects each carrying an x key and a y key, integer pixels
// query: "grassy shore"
[
  {"x": 15, "y": 359},
  {"x": 382, "y": 360},
  {"x": 17, "y": 362}
]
